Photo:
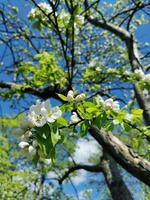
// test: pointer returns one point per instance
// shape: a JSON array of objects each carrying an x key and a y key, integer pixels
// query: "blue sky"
[{"x": 142, "y": 35}]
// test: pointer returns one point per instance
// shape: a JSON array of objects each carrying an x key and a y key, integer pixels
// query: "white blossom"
[
  {"x": 147, "y": 77},
  {"x": 32, "y": 150},
  {"x": 99, "y": 100},
  {"x": 92, "y": 63},
  {"x": 47, "y": 161},
  {"x": 70, "y": 96},
  {"x": 36, "y": 114},
  {"x": 41, "y": 113},
  {"x": 45, "y": 6},
  {"x": 25, "y": 137},
  {"x": 98, "y": 69},
  {"x": 32, "y": 13},
  {"x": 129, "y": 117},
  {"x": 127, "y": 73},
  {"x": 37, "y": 119},
  {"x": 110, "y": 103},
  {"x": 53, "y": 114},
  {"x": 80, "y": 97},
  {"x": 36, "y": 11},
  {"x": 23, "y": 144},
  {"x": 111, "y": 70},
  {"x": 139, "y": 72},
  {"x": 34, "y": 143},
  {"x": 50, "y": 114},
  {"x": 74, "y": 118}
]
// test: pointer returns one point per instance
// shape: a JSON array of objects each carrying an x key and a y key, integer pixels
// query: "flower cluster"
[
  {"x": 108, "y": 103},
  {"x": 36, "y": 12},
  {"x": 140, "y": 73},
  {"x": 111, "y": 104},
  {"x": 71, "y": 97},
  {"x": 63, "y": 17},
  {"x": 39, "y": 114}
]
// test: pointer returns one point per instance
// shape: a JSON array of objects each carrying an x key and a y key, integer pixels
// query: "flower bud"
[
  {"x": 70, "y": 96},
  {"x": 32, "y": 150},
  {"x": 111, "y": 104},
  {"x": 80, "y": 97},
  {"x": 35, "y": 144},
  {"x": 23, "y": 144},
  {"x": 74, "y": 118},
  {"x": 25, "y": 137}
]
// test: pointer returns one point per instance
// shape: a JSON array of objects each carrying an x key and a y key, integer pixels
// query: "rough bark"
[
  {"x": 114, "y": 180},
  {"x": 122, "y": 154}
]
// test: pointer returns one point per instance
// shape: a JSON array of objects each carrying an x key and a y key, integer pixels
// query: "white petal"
[
  {"x": 23, "y": 144},
  {"x": 50, "y": 119},
  {"x": 40, "y": 123},
  {"x": 74, "y": 118},
  {"x": 46, "y": 104},
  {"x": 32, "y": 150},
  {"x": 56, "y": 112}
]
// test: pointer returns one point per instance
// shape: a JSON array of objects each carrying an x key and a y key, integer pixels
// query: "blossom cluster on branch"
[
  {"x": 40, "y": 16},
  {"x": 39, "y": 114}
]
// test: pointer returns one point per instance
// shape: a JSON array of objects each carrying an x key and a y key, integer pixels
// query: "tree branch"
[
  {"x": 125, "y": 156},
  {"x": 134, "y": 58},
  {"x": 43, "y": 93},
  {"x": 93, "y": 168}
]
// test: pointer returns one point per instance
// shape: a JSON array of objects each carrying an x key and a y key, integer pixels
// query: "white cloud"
[
  {"x": 84, "y": 150},
  {"x": 51, "y": 175},
  {"x": 80, "y": 178}
]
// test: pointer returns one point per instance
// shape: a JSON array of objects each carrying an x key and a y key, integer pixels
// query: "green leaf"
[
  {"x": 109, "y": 126},
  {"x": 53, "y": 155},
  {"x": 101, "y": 120},
  {"x": 126, "y": 126},
  {"x": 137, "y": 115},
  {"x": 64, "y": 98},
  {"x": 91, "y": 109},
  {"x": 37, "y": 25},
  {"x": 62, "y": 121},
  {"x": 55, "y": 137},
  {"x": 88, "y": 104},
  {"x": 66, "y": 107},
  {"x": 84, "y": 128},
  {"x": 138, "y": 112}
]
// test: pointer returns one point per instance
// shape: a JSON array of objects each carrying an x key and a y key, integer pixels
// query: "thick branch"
[
  {"x": 94, "y": 168},
  {"x": 43, "y": 93},
  {"x": 125, "y": 156}
]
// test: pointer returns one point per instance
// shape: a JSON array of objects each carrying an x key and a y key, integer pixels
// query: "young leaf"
[{"x": 64, "y": 98}]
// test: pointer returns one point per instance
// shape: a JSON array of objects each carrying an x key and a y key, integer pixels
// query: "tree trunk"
[{"x": 114, "y": 180}]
